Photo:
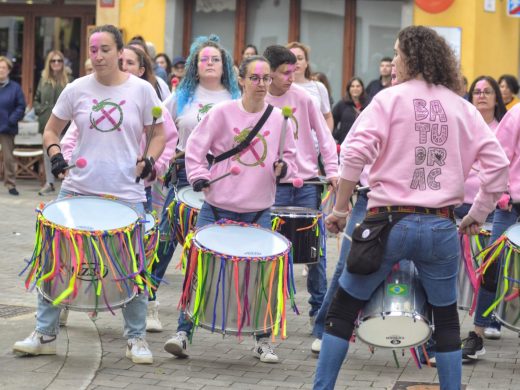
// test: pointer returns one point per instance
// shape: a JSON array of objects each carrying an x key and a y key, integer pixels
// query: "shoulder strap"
[{"x": 245, "y": 143}]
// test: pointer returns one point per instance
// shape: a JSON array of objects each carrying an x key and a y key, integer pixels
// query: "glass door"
[
  {"x": 11, "y": 43},
  {"x": 55, "y": 33}
]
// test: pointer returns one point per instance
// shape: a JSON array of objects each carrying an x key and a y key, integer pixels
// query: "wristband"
[
  {"x": 50, "y": 146},
  {"x": 340, "y": 214}
]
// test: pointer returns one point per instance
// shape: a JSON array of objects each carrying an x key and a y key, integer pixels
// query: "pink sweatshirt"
[
  {"x": 254, "y": 188},
  {"x": 422, "y": 140},
  {"x": 508, "y": 134},
  {"x": 308, "y": 119},
  {"x": 68, "y": 143},
  {"x": 472, "y": 183}
]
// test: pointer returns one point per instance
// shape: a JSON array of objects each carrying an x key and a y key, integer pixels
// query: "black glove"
[
  {"x": 171, "y": 176},
  {"x": 148, "y": 167},
  {"x": 284, "y": 168},
  {"x": 198, "y": 185},
  {"x": 58, "y": 164}
]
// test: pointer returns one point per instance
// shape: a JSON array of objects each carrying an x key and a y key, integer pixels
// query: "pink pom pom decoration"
[
  {"x": 235, "y": 170},
  {"x": 81, "y": 162},
  {"x": 503, "y": 202},
  {"x": 298, "y": 182}
]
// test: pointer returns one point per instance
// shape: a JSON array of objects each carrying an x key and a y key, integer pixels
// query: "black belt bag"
[{"x": 369, "y": 243}]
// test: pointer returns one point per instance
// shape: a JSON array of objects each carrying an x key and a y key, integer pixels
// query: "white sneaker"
[
  {"x": 64, "y": 315},
  {"x": 492, "y": 333},
  {"x": 137, "y": 350},
  {"x": 178, "y": 345},
  {"x": 265, "y": 351},
  {"x": 153, "y": 324},
  {"x": 305, "y": 270},
  {"x": 316, "y": 346},
  {"x": 36, "y": 344}
]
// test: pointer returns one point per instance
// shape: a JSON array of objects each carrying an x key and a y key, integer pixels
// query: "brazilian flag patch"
[{"x": 397, "y": 289}]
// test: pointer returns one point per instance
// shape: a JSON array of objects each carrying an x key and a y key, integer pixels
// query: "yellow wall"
[
  {"x": 143, "y": 17},
  {"x": 490, "y": 41}
]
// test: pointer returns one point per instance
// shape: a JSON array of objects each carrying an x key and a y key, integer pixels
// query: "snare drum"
[
  {"x": 507, "y": 302},
  {"x": 183, "y": 212},
  {"x": 397, "y": 314},
  {"x": 237, "y": 279},
  {"x": 304, "y": 228},
  {"x": 86, "y": 253},
  {"x": 468, "y": 281}
]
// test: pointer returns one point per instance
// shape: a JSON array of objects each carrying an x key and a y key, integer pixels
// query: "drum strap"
[
  {"x": 245, "y": 143},
  {"x": 217, "y": 217}
]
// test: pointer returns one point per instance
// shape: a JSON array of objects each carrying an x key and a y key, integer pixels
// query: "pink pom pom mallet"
[
  {"x": 80, "y": 163},
  {"x": 298, "y": 182},
  {"x": 235, "y": 170}
]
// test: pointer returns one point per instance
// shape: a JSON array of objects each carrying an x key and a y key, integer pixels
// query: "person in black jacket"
[
  {"x": 347, "y": 109},
  {"x": 12, "y": 109}
]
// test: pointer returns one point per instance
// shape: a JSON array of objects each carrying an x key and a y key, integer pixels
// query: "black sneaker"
[
  {"x": 13, "y": 191},
  {"x": 473, "y": 346}
]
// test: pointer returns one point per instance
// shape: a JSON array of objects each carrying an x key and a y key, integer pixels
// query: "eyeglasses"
[
  {"x": 255, "y": 80},
  {"x": 56, "y": 61},
  {"x": 485, "y": 92}
]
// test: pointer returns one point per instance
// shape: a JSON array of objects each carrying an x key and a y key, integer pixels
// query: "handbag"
[{"x": 369, "y": 243}]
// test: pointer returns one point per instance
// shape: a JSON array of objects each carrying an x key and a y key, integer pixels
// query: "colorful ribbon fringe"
[
  {"x": 207, "y": 270},
  {"x": 182, "y": 219},
  {"x": 89, "y": 260}
]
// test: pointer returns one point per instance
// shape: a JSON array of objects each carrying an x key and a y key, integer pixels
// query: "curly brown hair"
[{"x": 426, "y": 53}]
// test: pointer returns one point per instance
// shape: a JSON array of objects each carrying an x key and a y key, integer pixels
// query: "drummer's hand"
[
  {"x": 505, "y": 202},
  {"x": 201, "y": 185},
  {"x": 333, "y": 182},
  {"x": 469, "y": 226},
  {"x": 280, "y": 169},
  {"x": 58, "y": 166},
  {"x": 144, "y": 167},
  {"x": 335, "y": 224}
]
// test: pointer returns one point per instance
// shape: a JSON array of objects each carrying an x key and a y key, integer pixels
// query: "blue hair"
[{"x": 186, "y": 88}]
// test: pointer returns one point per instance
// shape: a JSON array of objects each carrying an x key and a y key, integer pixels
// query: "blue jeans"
[
  {"x": 358, "y": 214},
  {"x": 502, "y": 220},
  {"x": 462, "y": 210},
  {"x": 206, "y": 217},
  {"x": 168, "y": 241},
  {"x": 432, "y": 244},
  {"x": 307, "y": 196},
  {"x": 134, "y": 312}
]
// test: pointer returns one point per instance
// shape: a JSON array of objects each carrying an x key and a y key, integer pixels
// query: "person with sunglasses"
[{"x": 53, "y": 81}]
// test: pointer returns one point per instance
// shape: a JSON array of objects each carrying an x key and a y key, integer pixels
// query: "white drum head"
[
  {"x": 513, "y": 234},
  {"x": 294, "y": 212},
  {"x": 90, "y": 213},
  {"x": 149, "y": 223},
  {"x": 241, "y": 241},
  {"x": 193, "y": 199},
  {"x": 394, "y": 331}
]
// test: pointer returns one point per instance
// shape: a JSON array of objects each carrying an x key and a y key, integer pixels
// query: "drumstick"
[
  {"x": 156, "y": 114},
  {"x": 299, "y": 182},
  {"x": 235, "y": 170},
  {"x": 286, "y": 112},
  {"x": 80, "y": 163}
]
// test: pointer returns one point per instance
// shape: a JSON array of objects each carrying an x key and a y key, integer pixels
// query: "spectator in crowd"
[
  {"x": 88, "y": 66},
  {"x": 12, "y": 108},
  {"x": 250, "y": 50},
  {"x": 509, "y": 89},
  {"x": 163, "y": 61},
  {"x": 322, "y": 78},
  {"x": 53, "y": 81},
  {"x": 346, "y": 111},
  {"x": 384, "y": 80},
  {"x": 302, "y": 77},
  {"x": 178, "y": 71}
]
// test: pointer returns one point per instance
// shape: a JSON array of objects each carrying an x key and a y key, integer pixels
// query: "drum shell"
[
  {"x": 396, "y": 320},
  {"x": 113, "y": 294},
  {"x": 466, "y": 292},
  {"x": 306, "y": 241},
  {"x": 218, "y": 313},
  {"x": 508, "y": 310}
]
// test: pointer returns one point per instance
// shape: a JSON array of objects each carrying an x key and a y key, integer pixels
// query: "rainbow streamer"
[
  {"x": 225, "y": 277},
  {"x": 182, "y": 219}
]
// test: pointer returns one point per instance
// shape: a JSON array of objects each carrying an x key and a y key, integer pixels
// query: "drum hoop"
[
  {"x": 182, "y": 200},
  {"x": 296, "y": 212},
  {"x": 125, "y": 229},
  {"x": 204, "y": 249}
]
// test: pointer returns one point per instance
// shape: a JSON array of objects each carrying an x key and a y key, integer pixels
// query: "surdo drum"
[{"x": 86, "y": 255}]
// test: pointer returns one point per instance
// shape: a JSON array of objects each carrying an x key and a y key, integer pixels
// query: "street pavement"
[{"x": 91, "y": 354}]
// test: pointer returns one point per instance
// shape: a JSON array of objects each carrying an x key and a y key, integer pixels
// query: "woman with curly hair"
[
  {"x": 209, "y": 80},
  {"x": 53, "y": 81},
  {"x": 421, "y": 139}
]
